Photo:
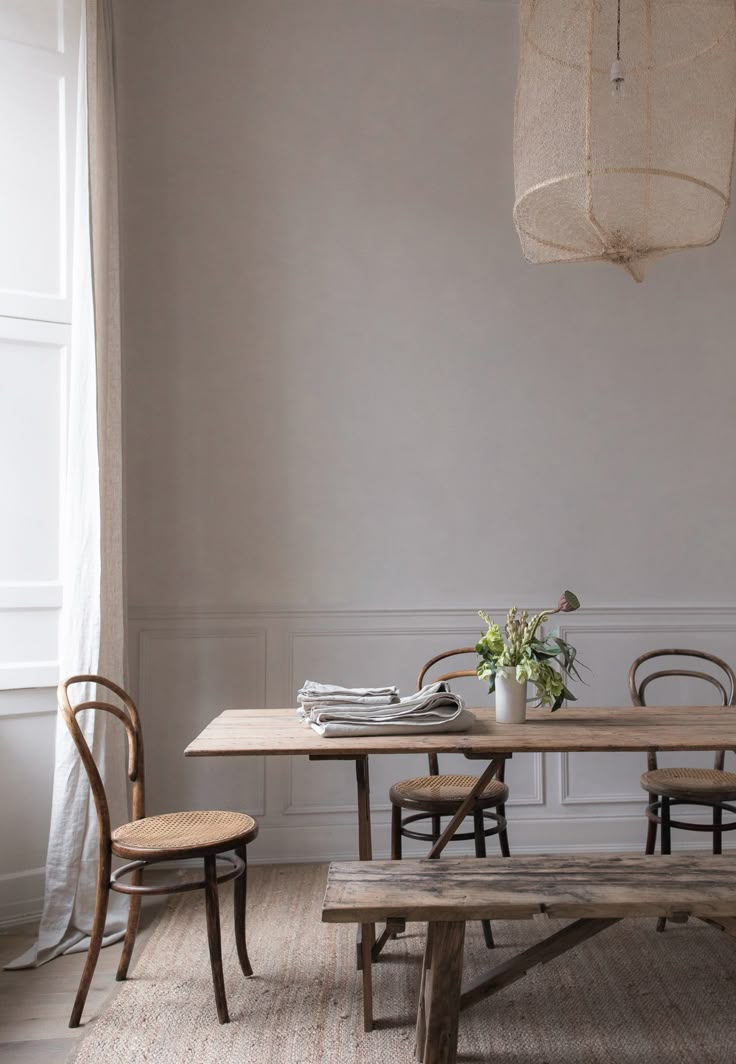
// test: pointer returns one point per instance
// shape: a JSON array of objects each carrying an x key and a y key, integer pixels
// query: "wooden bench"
[{"x": 592, "y": 891}]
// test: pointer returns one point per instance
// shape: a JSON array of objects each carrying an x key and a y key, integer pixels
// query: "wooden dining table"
[{"x": 281, "y": 732}]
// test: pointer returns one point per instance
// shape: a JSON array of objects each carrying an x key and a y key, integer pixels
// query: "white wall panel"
[
  {"x": 33, "y": 257},
  {"x": 32, "y": 367},
  {"x": 38, "y": 75},
  {"x": 28, "y": 634},
  {"x": 37, "y": 23}
]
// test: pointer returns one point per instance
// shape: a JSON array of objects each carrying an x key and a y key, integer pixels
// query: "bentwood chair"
[
  {"x": 148, "y": 840},
  {"x": 711, "y": 788},
  {"x": 429, "y": 798}
]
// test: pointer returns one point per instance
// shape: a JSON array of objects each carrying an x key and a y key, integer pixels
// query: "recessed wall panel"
[
  {"x": 33, "y": 190},
  {"x": 32, "y": 22},
  {"x": 186, "y": 679},
  {"x": 29, "y": 458},
  {"x": 608, "y": 651}
]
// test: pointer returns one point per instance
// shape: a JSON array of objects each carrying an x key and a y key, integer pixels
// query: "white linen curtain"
[{"x": 92, "y": 616}]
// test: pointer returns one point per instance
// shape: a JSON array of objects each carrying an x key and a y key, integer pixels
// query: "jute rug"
[{"x": 629, "y": 995}]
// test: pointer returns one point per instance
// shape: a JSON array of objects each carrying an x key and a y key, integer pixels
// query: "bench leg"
[
  {"x": 421, "y": 1032},
  {"x": 366, "y": 966},
  {"x": 438, "y": 1015}
]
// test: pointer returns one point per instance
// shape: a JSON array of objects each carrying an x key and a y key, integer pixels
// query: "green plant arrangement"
[{"x": 549, "y": 663}]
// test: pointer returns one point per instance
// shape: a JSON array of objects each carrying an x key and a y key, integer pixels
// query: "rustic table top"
[{"x": 238, "y": 732}]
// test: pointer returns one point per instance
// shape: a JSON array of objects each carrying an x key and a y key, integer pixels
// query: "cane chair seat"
[
  {"x": 435, "y": 792},
  {"x": 701, "y": 784},
  {"x": 190, "y": 832}
]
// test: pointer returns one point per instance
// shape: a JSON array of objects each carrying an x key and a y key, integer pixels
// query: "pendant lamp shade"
[{"x": 624, "y": 128}]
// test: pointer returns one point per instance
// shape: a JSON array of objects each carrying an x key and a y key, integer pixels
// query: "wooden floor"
[{"x": 35, "y": 1004}]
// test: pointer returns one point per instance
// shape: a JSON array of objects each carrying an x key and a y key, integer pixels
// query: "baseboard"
[{"x": 21, "y": 897}]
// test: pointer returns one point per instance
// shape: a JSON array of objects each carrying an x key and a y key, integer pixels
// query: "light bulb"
[{"x": 618, "y": 89}]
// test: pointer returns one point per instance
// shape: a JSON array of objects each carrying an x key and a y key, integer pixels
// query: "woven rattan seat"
[
  {"x": 699, "y": 783},
  {"x": 450, "y": 789},
  {"x": 198, "y": 830}
]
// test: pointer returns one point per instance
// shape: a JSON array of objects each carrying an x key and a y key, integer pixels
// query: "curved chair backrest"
[
  {"x": 724, "y": 684},
  {"x": 128, "y": 715},
  {"x": 453, "y": 675}
]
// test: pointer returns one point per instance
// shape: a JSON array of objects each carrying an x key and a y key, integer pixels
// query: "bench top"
[{"x": 513, "y": 888}]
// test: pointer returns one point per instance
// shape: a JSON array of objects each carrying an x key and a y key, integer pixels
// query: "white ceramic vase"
[{"x": 510, "y": 697}]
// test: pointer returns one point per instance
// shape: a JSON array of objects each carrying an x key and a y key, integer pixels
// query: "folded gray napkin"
[
  {"x": 328, "y": 694},
  {"x": 433, "y": 709}
]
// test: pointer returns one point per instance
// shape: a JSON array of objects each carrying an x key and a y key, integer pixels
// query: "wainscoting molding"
[
  {"x": 188, "y": 663},
  {"x": 307, "y": 811}
]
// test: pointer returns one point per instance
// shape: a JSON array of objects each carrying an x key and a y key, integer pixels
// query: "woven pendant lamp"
[{"x": 624, "y": 128}]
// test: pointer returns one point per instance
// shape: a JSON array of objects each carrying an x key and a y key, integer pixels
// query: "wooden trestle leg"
[
  {"x": 441, "y": 997},
  {"x": 366, "y": 932},
  {"x": 439, "y": 1003}
]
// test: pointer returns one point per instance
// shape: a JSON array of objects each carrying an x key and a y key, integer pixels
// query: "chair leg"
[
  {"x": 666, "y": 846},
  {"x": 503, "y": 836},
  {"x": 436, "y": 827},
  {"x": 98, "y": 930},
  {"x": 213, "y": 936},
  {"x": 651, "y": 846},
  {"x": 395, "y": 832},
  {"x": 396, "y": 853},
  {"x": 131, "y": 930},
  {"x": 241, "y": 892},
  {"x": 480, "y": 851},
  {"x": 717, "y": 836}
]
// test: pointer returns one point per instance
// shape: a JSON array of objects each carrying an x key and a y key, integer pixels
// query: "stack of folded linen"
[
  {"x": 334, "y": 711},
  {"x": 330, "y": 694}
]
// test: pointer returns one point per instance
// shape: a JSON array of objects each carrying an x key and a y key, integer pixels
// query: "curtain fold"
[{"x": 92, "y": 635}]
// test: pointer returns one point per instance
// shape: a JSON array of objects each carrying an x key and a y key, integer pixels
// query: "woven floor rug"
[{"x": 629, "y": 995}]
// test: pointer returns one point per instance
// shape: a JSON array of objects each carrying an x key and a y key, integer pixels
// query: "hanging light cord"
[{"x": 618, "y": 32}]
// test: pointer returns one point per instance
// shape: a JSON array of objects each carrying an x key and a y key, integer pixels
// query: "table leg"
[
  {"x": 365, "y": 841},
  {"x": 367, "y": 932}
]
